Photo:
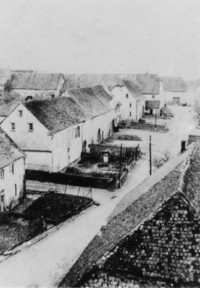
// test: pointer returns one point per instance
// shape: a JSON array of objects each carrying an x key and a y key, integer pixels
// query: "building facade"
[
  {"x": 29, "y": 84},
  {"x": 12, "y": 173},
  {"x": 48, "y": 131}
]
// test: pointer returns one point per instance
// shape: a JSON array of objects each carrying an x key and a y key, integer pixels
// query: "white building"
[
  {"x": 12, "y": 171},
  {"x": 48, "y": 131},
  {"x": 132, "y": 101},
  {"x": 95, "y": 101},
  {"x": 152, "y": 90},
  {"x": 176, "y": 91},
  {"x": 37, "y": 85},
  {"x": 6, "y": 109}
]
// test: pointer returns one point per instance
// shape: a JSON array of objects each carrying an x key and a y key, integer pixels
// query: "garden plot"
[{"x": 27, "y": 221}]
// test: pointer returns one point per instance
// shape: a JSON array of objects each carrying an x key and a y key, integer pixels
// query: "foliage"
[
  {"x": 8, "y": 86},
  {"x": 159, "y": 161}
]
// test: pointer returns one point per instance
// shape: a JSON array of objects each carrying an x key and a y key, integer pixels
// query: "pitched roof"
[
  {"x": 150, "y": 83},
  {"x": 130, "y": 213},
  {"x": 30, "y": 80},
  {"x": 102, "y": 95},
  {"x": 108, "y": 81},
  {"x": 174, "y": 84},
  {"x": 134, "y": 89},
  {"x": 89, "y": 99},
  {"x": 6, "y": 109},
  {"x": 8, "y": 150},
  {"x": 57, "y": 114}
]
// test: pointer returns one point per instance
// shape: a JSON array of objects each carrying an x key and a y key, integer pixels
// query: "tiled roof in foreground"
[{"x": 163, "y": 189}]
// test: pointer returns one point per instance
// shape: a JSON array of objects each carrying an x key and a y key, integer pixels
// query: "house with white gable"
[
  {"x": 132, "y": 101},
  {"x": 12, "y": 172},
  {"x": 50, "y": 132},
  {"x": 95, "y": 102},
  {"x": 152, "y": 89},
  {"x": 139, "y": 100},
  {"x": 30, "y": 84}
]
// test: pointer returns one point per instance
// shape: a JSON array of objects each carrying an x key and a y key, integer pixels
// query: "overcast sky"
[{"x": 101, "y": 36}]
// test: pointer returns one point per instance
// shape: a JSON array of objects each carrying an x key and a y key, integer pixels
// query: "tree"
[
  {"x": 159, "y": 161},
  {"x": 8, "y": 86}
]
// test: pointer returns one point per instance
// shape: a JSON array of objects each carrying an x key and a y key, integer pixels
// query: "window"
[
  {"x": 130, "y": 114},
  {"x": 12, "y": 126},
  {"x": 15, "y": 190},
  {"x": 153, "y": 97},
  {"x": 126, "y": 95},
  {"x": 30, "y": 127},
  {"x": 11, "y": 168},
  {"x": 130, "y": 105},
  {"x": 77, "y": 132},
  {"x": 1, "y": 174},
  {"x": 20, "y": 113}
]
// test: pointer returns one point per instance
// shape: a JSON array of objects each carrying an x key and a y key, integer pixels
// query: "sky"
[{"x": 101, "y": 36}]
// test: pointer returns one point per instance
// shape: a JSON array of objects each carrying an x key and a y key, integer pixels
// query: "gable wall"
[
  {"x": 39, "y": 139},
  {"x": 119, "y": 93},
  {"x": 8, "y": 183}
]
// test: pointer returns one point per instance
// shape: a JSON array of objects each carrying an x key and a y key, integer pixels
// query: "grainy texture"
[
  {"x": 174, "y": 84},
  {"x": 149, "y": 82},
  {"x": 30, "y": 80},
  {"x": 122, "y": 225},
  {"x": 8, "y": 150},
  {"x": 89, "y": 99},
  {"x": 134, "y": 88},
  {"x": 57, "y": 114}
]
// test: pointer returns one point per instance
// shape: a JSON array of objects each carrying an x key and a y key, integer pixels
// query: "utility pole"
[
  {"x": 120, "y": 166},
  {"x": 150, "y": 162},
  {"x": 155, "y": 121}
]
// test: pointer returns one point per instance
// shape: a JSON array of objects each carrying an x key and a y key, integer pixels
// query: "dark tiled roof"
[
  {"x": 30, "y": 80},
  {"x": 130, "y": 213},
  {"x": 102, "y": 95},
  {"x": 174, "y": 84},
  {"x": 8, "y": 150},
  {"x": 150, "y": 83},
  {"x": 57, "y": 114},
  {"x": 108, "y": 81},
  {"x": 6, "y": 109},
  {"x": 89, "y": 98},
  {"x": 134, "y": 89}
]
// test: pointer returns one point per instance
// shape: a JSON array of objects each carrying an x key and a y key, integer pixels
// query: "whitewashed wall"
[
  {"x": 10, "y": 180},
  {"x": 39, "y": 139},
  {"x": 128, "y": 107}
]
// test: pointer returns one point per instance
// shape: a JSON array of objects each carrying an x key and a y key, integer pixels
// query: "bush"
[
  {"x": 159, "y": 161},
  {"x": 8, "y": 86}
]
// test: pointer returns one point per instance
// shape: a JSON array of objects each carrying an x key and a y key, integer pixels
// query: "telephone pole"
[{"x": 150, "y": 160}]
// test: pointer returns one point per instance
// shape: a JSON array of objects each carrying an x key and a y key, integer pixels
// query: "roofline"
[
  {"x": 150, "y": 181},
  {"x": 22, "y": 156},
  {"x": 10, "y": 113}
]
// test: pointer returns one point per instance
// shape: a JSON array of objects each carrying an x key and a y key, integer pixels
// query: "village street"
[{"x": 46, "y": 262}]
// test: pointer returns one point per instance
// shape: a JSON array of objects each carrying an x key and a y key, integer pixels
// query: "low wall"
[
  {"x": 145, "y": 126},
  {"x": 70, "y": 179}
]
